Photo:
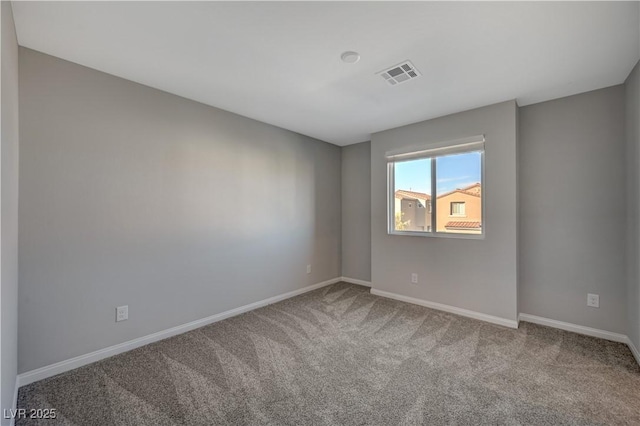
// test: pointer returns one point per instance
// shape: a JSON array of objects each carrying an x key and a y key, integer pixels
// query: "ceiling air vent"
[{"x": 400, "y": 73}]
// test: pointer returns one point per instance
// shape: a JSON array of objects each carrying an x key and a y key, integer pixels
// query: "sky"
[{"x": 454, "y": 171}]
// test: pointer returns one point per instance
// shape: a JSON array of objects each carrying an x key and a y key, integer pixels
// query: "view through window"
[
  {"x": 457, "y": 207},
  {"x": 412, "y": 210}
]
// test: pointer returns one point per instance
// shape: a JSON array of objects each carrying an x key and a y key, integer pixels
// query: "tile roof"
[
  {"x": 401, "y": 193},
  {"x": 464, "y": 224},
  {"x": 470, "y": 187},
  {"x": 469, "y": 190}
]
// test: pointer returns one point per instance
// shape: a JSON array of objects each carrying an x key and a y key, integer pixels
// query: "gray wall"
[
  {"x": 356, "y": 211},
  {"x": 129, "y": 195},
  {"x": 572, "y": 241},
  {"x": 480, "y": 275},
  {"x": 632, "y": 96},
  {"x": 9, "y": 225}
]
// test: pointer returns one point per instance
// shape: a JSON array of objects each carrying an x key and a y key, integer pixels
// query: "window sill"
[{"x": 452, "y": 235}]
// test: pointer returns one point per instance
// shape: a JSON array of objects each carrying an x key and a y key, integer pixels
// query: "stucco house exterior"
[
  {"x": 458, "y": 211},
  {"x": 415, "y": 211}
]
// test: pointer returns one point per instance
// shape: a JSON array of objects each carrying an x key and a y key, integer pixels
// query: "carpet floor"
[{"x": 341, "y": 356}]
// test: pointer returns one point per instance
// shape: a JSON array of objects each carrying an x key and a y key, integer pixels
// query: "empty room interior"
[{"x": 320, "y": 213}]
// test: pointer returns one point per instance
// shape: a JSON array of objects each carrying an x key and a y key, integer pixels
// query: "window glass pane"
[
  {"x": 412, "y": 195},
  {"x": 459, "y": 190}
]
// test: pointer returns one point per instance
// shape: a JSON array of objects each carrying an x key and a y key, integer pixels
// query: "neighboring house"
[
  {"x": 458, "y": 211},
  {"x": 414, "y": 209}
]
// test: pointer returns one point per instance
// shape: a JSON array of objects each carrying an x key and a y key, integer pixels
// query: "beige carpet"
[{"x": 341, "y": 356}]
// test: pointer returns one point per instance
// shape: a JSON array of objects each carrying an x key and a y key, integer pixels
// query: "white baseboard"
[
  {"x": 79, "y": 361},
  {"x": 356, "y": 281},
  {"x": 447, "y": 308},
  {"x": 634, "y": 350},
  {"x": 580, "y": 329}
]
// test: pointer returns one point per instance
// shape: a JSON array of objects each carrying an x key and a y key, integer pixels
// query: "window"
[
  {"x": 457, "y": 208},
  {"x": 452, "y": 172}
]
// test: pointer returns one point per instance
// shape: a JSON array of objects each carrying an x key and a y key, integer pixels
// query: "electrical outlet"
[
  {"x": 414, "y": 278},
  {"x": 122, "y": 313},
  {"x": 593, "y": 300},
  {"x": 308, "y": 269}
]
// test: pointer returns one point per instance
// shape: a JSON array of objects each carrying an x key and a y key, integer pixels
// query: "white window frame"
[{"x": 433, "y": 151}]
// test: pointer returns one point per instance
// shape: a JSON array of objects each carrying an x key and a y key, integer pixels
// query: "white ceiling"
[{"x": 280, "y": 62}]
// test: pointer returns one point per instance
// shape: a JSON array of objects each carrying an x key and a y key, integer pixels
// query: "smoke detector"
[
  {"x": 400, "y": 73},
  {"x": 350, "y": 57}
]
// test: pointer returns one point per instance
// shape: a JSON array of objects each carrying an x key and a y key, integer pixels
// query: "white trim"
[
  {"x": 70, "y": 364},
  {"x": 12, "y": 422},
  {"x": 580, "y": 329},
  {"x": 447, "y": 308},
  {"x": 634, "y": 350},
  {"x": 356, "y": 281}
]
